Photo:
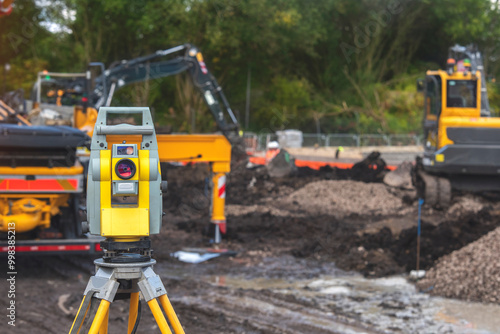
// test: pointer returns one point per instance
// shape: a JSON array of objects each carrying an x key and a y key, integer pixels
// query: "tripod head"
[{"x": 124, "y": 196}]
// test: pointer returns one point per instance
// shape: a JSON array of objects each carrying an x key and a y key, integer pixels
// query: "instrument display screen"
[{"x": 125, "y": 150}]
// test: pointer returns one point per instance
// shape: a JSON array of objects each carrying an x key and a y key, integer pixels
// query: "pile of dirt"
[
  {"x": 248, "y": 187},
  {"x": 441, "y": 239},
  {"x": 470, "y": 273},
  {"x": 384, "y": 253},
  {"x": 188, "y": 189},
  {"x": 251, "y": 186},
  {"x": 342, "y": 198}
]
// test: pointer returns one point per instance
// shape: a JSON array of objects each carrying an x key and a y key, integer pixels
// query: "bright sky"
[{"x": 67, "y": 14}]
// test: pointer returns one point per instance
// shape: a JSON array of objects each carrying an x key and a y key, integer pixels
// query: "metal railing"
[{"x": 258, "y": 142}]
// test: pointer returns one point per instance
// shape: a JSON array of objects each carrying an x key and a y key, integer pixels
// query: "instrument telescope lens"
[{"x": 125, "y": 169}]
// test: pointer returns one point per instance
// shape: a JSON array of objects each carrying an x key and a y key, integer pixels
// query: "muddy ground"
[{"x": 305, "y": 246}]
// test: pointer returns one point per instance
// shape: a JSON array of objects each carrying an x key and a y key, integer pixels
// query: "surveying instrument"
[{"x": 124, "y": 205}]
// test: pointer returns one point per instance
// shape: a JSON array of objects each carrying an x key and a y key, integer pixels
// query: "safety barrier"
[{"x": 258, "y": 142}]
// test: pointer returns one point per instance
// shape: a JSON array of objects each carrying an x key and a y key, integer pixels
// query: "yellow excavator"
[{"x": 461, "y": 139}]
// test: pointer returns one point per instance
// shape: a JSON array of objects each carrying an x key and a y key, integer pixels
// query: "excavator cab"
[
  {"x": 452, "y": 97},
  {"x": 448, "y": 96},
  {"x": 461, "y": 93}
]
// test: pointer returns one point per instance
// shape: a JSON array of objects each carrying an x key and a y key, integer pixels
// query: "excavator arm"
[{"x": 151, "y": 67}]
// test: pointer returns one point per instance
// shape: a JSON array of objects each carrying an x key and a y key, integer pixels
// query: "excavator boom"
[{"x": 150, "y": 67}]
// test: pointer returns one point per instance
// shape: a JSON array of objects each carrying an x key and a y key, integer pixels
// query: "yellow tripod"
[{"x": 116, "y": 280}]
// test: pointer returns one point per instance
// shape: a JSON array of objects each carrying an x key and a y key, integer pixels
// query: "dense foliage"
[{"x": 336, "y": 65}]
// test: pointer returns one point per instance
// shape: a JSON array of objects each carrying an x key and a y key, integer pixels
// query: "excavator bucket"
[
  {"x": 282, "y": 165},
  {"x": 400, "y": 177}
]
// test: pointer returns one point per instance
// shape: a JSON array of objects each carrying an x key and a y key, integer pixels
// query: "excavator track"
[
  {"x": 435, "y": 190},
  {"x": 444, "y": 192}
]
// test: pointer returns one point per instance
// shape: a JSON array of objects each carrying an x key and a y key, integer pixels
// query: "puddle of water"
[
  {"x": 389, "y": 304},
  {"x": 335, "y": 290},
  {"x": 259, "y": 283},
  {"x": 471, "y": 315}
]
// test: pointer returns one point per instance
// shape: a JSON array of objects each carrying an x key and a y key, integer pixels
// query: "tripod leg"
[
  {"x": 80, "y": 315},
  {"x": 104, "y": 325},
  {"x": 101, "y": 313},
  {"x": 172, "y": 317},
  {"x": 159, "y": 317},
  {"x": 132, "y": 313}
]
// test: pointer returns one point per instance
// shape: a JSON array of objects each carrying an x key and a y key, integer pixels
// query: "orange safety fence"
[
  {"x": 301, "y": 163},
  {"x": 313, "y": 164}
]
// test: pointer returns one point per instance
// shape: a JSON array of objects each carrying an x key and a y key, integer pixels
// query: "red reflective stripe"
[
  {"x": 98, "y": 247},
  {"x": 5, "y": 11},
  {"x": 49, "y": 248},
  {"x": 222, "y": 190},
  {"x": 221, "y": 185},
  {"x": 222, "y": 226},
  {"x": 203, "y": 67},
  {"x": 41, "y": 184},
  {"x": 73, "y": 182}
]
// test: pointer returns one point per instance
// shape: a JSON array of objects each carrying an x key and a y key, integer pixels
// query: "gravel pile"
[
  {"x": 341, "y": 198},
  {"x": 471, "y": 273},
  {"x": 465, "y": 204}
]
